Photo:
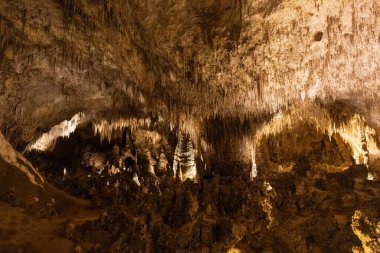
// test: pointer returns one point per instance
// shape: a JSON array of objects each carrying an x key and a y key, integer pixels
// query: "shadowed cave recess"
[{"x": 189, "y": 126}]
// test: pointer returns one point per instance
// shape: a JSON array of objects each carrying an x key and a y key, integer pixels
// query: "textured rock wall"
[{"x": 194, "y": 58}]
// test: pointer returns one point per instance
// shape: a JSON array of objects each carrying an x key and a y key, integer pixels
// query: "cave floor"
[
  {"x": 21, "y": 231},
  {"x": 295, "y": 211}
]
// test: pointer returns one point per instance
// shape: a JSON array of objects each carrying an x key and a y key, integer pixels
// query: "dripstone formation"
[{"x": 189, "y": 126}]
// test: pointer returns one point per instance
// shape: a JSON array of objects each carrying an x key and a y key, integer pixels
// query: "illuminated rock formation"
[
  {"x": 221, "y": 58},
  {"x": 184, "y": 166},
  {"x": 193, "y": 126},
  {"x": 64, "y": 129},
  {"x": 368, "y": 232}
]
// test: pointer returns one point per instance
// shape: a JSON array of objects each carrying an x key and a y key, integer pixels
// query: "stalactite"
[
  {"x": 105, "y": 128},
  {"x": 360, "y": 137},
  {"x": 355, "y": 132}
]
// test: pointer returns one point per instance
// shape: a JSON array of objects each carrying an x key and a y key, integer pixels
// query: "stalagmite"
[
  {"x": 184, "y": 159},
  {"x": 269, "y": 194},
  {"x": 367, "y": 230},
  {"x": 267, "y": 113},
  {"x": 253, "y": 173},
  {"x": 152, "y": 163},
  {"x": 163, "y": 163},
  {"x": 136, "y": 179}
]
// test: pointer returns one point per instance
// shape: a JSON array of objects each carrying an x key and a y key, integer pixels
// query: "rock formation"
[{"x": 190, "y": 125}]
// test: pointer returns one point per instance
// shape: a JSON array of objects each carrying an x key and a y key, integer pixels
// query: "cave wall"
[{"x": 197, "y": 58}]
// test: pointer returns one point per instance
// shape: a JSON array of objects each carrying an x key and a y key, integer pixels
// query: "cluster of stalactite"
[
  {"x": 355, "y": 131},
  {"x": 264, "y": 85},
  {"x": 105, "y": 129},
  {"x": 10, "y": 39}
]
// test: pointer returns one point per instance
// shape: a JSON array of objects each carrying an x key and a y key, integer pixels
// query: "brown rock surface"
[{"x": 192, "y": 126}]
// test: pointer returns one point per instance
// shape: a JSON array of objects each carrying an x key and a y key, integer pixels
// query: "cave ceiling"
[
  {"x": 245, "y": 124},
  {"x": 235, "y": 64}
]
